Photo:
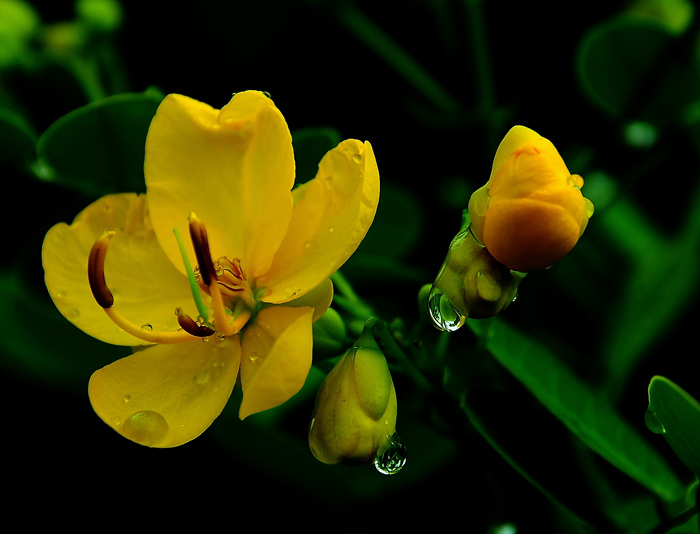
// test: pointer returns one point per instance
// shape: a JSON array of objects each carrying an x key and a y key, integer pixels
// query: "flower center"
[{"x": 225, "y": 282}]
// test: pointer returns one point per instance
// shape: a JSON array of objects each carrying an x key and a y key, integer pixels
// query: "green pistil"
[{"x": 190, "y": 276}]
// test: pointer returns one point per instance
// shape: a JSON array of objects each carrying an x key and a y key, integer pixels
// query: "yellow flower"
[
  {"x": 264, "y": 254},
  {"x": 355, "y": 414},
  {"x": 531, "y": 212}
]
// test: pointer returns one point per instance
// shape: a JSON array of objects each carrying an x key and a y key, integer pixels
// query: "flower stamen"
[
  {"x": 104, "y": 297},
  {"x": 207, "y": 272}
]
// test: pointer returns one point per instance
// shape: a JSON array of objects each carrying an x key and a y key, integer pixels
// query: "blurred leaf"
[
  {"x": 616, "y": 57},
  {"x": 543, "y": 451},
  {"x": 661, "y": 279},
  {"x": 678, "y": 417},
  {"x": 17, "y": 138},
  {"x": 38, "y": 342},
  {"x": 99, "y": 148},
  {"x": 396, "y": 229},
  {"x": 310, "y": 145},
  {"x": 581, "y": 409}
]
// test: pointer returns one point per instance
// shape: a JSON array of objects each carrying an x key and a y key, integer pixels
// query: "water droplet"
[
  {"x": 331, "y": 228},
  {"x": 653, "y": 423},
  {"x": 145, "y": 427},
  {"x": 202, "y": 377},
  {"x": 71, "y": 314},
  {"x": 147, "y": 327},
  {"x": 290, "y": 292},
  {"x": 253, "y": 356},
  {"x": 126, "y": 398},
  {"x": 357, "y": 158},
  {"x": 392, "y": 460},
  {"x": 309, "y": 244},
  {"x": 444, "y": 315}
]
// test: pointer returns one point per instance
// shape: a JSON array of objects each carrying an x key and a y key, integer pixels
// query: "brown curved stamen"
[
  {"x": 190, "y": 326},
  {"x": 200, "y": 242},
  {"x": 96, "y": 271},
  {"x": 104, "y": 297}
]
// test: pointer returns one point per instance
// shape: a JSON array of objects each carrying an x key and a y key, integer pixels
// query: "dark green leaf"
[
  {"x": 99, "y": 148},
  {"x": 17, "y": 138},
  {"x": 616, "y": 57},
  {"x": 677, "y": 415},
  {"x": 586, "y": 414}
]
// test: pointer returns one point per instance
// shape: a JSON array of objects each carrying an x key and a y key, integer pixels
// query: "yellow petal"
[
  {"x": 331, "y": 216},
  {"x": 319, "y": 298},
  {"x": 234, "y": 168},
  {"x": 516, "y": 136},
  {"x": 146, "y": 286},
  {"x": 166, "y": 395},
  {"x": 528, "y": 234},
  {"x": 276, "y": 357}
]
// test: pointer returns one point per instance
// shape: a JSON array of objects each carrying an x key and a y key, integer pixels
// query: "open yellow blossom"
[
  {"x": 531, "y": 212},
  {"x": 240, "y": 293}
]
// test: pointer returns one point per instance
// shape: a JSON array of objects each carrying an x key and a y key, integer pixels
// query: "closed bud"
[
  {"x": 354, "y": 417},
  {"x": 330, "y": 334},
  {"x": 531, "y": 212}
]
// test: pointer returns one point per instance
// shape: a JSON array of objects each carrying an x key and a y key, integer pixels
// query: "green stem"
[
  {"x": 372, "y": 35},
  {"x": 392, "y": 349},
  {"x": 196, "y": 295}
]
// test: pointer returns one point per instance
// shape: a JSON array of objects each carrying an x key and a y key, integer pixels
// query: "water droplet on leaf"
[
  {"x": 653, "y": 423},
  {"x": 392, "y": 460},
  {"x": 444, "y": 315}
]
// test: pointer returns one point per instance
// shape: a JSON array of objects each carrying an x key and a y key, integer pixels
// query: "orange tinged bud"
[{"x": 531, "y": 212}]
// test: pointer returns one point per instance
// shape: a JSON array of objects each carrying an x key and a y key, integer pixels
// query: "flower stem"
[{"x": 392, "y": 349}]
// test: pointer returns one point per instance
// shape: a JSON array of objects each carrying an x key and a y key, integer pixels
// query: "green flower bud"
[
  {"x": 355, "y": 414},
  {"x": 471, "y": 283},
  {"x": 329, "y": 335}
]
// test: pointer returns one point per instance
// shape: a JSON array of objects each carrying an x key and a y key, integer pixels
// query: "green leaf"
[
  {"x": 99, "y": 148},
  {"x": 38, "y": 342},
  {"x": 677, "y": 415},
  {"x": 581, "y": 409},
  {"x": 530, "y": 439},
  {"x": 17, "y": 138},
  {"x": 616, "y": 57}
]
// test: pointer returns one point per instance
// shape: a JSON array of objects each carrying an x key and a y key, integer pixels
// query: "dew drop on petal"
[
  {"x": 331, "y": 228},
  {"x": 146, "y": 427},
  {"x": 202, "y": 377},
  {"x": 444, "y": 315},
  {"x": 147, "y": 327},
  {"x": 392, "y": 460},
  {"x": 126, "y": 398}
]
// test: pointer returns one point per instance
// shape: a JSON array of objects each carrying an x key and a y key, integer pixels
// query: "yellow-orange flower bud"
[
  {"x": 355, "y": 414},
  {"x": 531, "y": 212}
]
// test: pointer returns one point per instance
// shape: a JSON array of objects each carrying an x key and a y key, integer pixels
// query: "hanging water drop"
[
  {"x": 392, "y": 460},
  {"x": 444, "y": 315}
]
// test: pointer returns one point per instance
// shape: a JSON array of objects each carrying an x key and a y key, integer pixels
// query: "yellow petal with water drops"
[
  {"x": 147, "y": 288},
  {"x": 332, "y": 214},
  {"x": 319, "y": 298},
  {"x": 233, "y": 167},
  {"x": 167, "y": 395},
  {"x": 275, "y": 357}
]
